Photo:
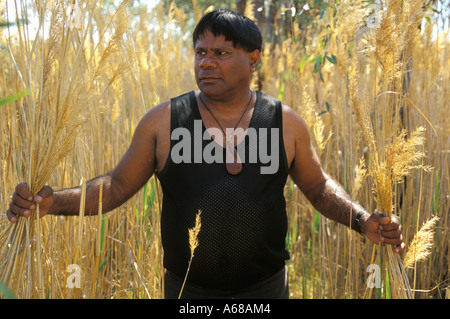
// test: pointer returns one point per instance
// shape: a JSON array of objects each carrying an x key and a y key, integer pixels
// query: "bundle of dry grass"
[
  {"x": 384, "y": 174},
  {"x": 61, "y": 80},
  {"x": 50, "y": 117},
  {"x": 393, "y": 151}
]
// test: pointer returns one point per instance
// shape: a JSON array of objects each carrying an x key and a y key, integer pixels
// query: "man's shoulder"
[
  {"x": 160, "y": 113},
  {"x": 292, "y": 120},
  {"x": 156, "y": 116},
  {"x": 164, "y": 106}
]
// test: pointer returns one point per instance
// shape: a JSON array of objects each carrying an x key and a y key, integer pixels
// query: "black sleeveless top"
[{"x": 244, "y": 222}]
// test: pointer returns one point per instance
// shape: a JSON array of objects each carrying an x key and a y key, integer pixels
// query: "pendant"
[{"x": 233, "y": 161}]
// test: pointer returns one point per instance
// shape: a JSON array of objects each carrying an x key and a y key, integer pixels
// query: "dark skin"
[{"x": 226, "y": 92}]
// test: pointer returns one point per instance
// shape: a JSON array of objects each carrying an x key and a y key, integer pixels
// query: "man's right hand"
[{"x": 23, "y": 202}]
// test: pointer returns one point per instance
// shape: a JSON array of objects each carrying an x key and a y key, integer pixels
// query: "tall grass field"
[{"x": 371, "y": 79}]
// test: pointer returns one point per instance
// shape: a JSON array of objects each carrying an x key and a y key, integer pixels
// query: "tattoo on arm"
[{"x": 333, "y": 202}]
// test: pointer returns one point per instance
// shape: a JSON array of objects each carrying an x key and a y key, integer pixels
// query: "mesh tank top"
[{"x": 244, "y": 223}]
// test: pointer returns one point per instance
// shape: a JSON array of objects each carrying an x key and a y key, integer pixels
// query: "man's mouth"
[{"x": 208, "y": 78}]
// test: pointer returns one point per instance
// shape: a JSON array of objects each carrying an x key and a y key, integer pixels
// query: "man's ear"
[{"x": 253, "y": 59}]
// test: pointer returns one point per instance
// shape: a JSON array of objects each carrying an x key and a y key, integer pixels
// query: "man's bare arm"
[
  {"x": 328, "y": 197},
  {"x": 132, "y": 172},
  {"x": 324, "y": 193}
]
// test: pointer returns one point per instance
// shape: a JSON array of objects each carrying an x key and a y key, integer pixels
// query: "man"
[{"x": 224, "y": 150}]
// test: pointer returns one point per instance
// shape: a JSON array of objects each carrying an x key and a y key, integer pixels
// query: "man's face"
[{"x": 220, "y": 68}]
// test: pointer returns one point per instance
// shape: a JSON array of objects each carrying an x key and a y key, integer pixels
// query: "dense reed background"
[{"x": 99, "y": 75}]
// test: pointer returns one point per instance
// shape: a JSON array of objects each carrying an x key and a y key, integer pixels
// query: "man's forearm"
[
  {"x": 332, "y": 201},
  {"x": 67, "y": 201}
]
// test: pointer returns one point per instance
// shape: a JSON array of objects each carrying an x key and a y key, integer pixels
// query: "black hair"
[{"x": 235, "y": 27}]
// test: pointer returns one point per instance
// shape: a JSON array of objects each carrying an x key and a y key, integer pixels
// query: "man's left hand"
[{"x": 383, "y": 230}]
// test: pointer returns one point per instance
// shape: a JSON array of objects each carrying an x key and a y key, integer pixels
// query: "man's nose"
[{"x": 207, "y": 61}]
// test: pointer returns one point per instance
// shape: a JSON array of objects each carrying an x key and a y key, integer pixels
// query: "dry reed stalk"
[
  {"x": 420, "y": 247},
  {"x": 197, "y": 11},
  {"x": 77, "y": 292},
  {"x": 38, "y": 258},
  {"x": 360, "y": 175},
  {"x": 98, "y": 240},
  {"x": 193, "y": 243},
  {"x": 314, "y": 121}
]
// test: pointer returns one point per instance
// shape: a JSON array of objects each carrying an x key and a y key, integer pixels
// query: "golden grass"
[
  {"x": 421, "y": 245},
  {"x": 314, "y": 121},
  {"x": 193, "y": 243},
  {"x": 398, "y": 97}
]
